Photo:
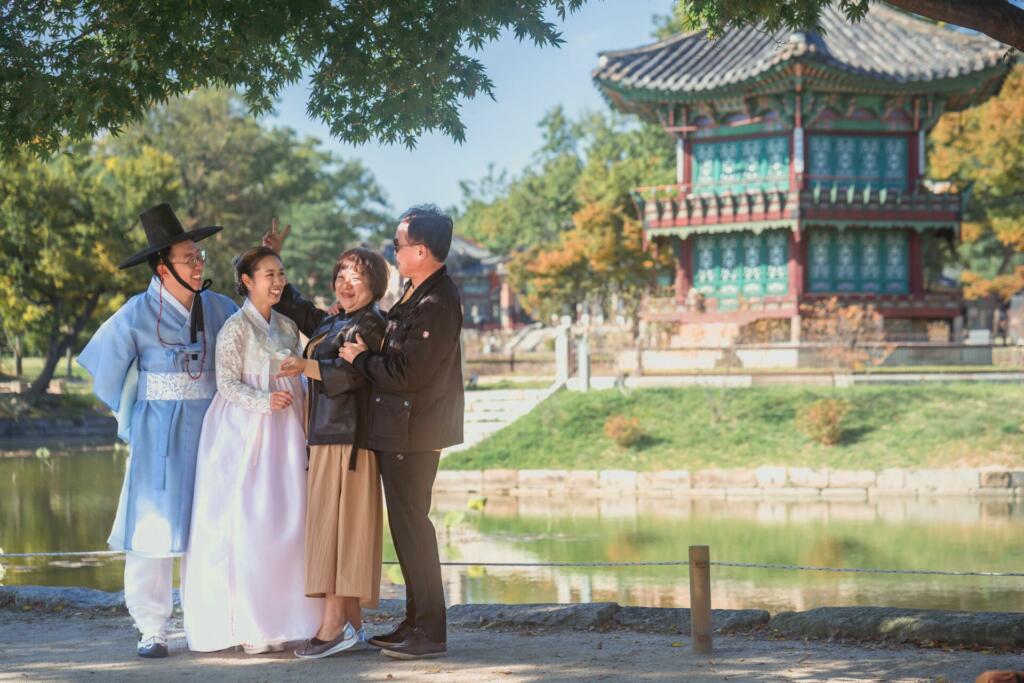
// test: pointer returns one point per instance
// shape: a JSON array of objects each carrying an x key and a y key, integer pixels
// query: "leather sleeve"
[
  {"x": 306, "y": 316},
  {"x": 337, "y": 376}
]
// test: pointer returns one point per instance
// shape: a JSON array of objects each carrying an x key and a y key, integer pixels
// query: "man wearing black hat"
[{"x": 152, "y": 363}]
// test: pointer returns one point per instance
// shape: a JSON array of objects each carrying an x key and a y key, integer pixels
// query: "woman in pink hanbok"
[{"x": 243, "y": 578}]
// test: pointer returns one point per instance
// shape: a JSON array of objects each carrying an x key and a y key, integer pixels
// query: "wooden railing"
[{"x": 666, "y": 206}]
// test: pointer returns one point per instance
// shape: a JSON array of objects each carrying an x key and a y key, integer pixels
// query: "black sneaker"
[{"x": 400, "y": 633}]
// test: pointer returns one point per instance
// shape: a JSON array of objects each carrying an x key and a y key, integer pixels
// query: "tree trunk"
[
  {"x": 41, "y": 384},
  {"x": 58, "y": 347},
  {"x": 18, "y": 369},
  {"x": 998, "y": 19}
]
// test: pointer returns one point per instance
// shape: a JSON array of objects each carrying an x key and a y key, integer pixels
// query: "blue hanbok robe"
[{"x": 143, "y": 375}]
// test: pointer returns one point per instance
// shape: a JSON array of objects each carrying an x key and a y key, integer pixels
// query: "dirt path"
[{"x": 100, "y": 648}]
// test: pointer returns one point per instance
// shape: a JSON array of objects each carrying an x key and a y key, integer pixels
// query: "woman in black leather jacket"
[{"x": 344, "y": 514}]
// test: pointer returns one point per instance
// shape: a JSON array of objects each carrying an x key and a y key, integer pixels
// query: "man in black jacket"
[{"x": 416, "y": 409}]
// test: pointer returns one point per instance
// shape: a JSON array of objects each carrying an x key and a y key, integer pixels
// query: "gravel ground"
[{"x": 98, "y": 647}]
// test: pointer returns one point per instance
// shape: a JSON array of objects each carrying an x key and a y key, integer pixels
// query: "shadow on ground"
[{"x": 83, "y": 647}]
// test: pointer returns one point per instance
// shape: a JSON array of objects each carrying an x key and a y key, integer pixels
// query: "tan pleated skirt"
[{"x": 344, "y": 523}]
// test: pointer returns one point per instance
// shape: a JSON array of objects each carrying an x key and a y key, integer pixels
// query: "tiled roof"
[{"x": 887, "y": 46}]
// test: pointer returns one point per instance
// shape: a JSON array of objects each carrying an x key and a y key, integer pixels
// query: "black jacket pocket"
[{"x": 391, "y": 413}]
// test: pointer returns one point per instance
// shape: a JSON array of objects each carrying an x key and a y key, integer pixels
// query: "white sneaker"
[
  {"x": 346, "y": 640},
  {"x": 363, "y": 642},
  {"x": 152, "y": 646},
  {"x": 262, "y": 648}
]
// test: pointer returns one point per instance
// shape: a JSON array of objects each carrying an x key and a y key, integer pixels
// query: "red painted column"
[
  {"x": 687, "y": 165},
  {"x": 912, "y": 170},
  {"x": 684, "y": 276},
  {"x": 796, "y": 265},
  {"x": 916, "y": 258}
]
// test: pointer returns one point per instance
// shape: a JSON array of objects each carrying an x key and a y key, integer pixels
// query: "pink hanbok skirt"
[{"x": 243, "y": 575}]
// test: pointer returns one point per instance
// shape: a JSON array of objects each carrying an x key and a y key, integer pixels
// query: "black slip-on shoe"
[
  {"x": 415, "y": 646},
  {"x": 400, "y": 633}
]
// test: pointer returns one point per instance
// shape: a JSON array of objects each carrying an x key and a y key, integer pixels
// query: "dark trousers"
[{"x": 408, "y": 479}]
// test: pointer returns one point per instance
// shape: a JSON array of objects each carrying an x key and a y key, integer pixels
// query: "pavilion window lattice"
[
  {"x": 741, "y": 265},
  {"x": 841, "y": 160},
  {"x": 749, "y": 164},
  {"x": 858, "y": 261}
]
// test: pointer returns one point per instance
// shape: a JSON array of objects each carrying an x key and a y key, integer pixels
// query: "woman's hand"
[
  {"x": 335, "y": 309},
  {"x": 279, "y": 400},
  {"x": 275, "y": 238},
  {"x": 291, "y": 366}
]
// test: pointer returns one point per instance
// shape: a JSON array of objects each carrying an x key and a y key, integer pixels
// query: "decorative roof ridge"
[
  {"x": 641, "y": 49},
  {"x": 887, "y": 49},
  {"x": 908, "y": 21}
]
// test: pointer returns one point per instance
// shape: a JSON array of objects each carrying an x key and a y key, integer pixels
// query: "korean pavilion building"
[{"x": 800, "y": 166}]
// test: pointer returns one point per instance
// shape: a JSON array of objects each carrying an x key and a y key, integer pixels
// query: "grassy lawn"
[
  {"x": 691, "y": 428},
  {"x": 80, "y": 382},
  {"x": 31, "y": 367},
  {"x": 76, "y": 401}
]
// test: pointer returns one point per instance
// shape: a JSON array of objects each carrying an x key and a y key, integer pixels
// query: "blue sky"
[{"x": 528, "y": 82}]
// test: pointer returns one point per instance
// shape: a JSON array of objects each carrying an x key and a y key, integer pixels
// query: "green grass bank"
[{"x": 933, "y": 425}]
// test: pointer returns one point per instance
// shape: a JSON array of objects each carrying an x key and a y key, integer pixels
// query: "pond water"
[{"x": 67, "y": 503}]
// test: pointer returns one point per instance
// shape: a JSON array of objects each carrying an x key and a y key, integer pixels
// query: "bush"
[
  {"x": 823, "y": 420},
  {"x": 624, "y": 431}
]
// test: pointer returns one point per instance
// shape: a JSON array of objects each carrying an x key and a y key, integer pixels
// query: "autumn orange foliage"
[
  {"x": 852, "y": 335},
  {"x": 602, "y": 254},
  {"x": 982, "y": 151}
]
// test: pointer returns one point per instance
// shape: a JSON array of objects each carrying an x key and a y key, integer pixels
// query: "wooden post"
[
  {"x": 687, "y": 156},
  {"x": 583, "y": 362},
  {"x": 916, "y": 259},
  {"x": 562, "y": 352},
  {"x": 700, "y": 598},
  {"x": 796, "y": 266}
]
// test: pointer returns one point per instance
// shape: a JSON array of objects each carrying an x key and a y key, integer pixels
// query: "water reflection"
[{"x": 68, "y": 503}]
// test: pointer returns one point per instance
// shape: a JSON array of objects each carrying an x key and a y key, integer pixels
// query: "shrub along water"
[{"x": 823, "y": 420}]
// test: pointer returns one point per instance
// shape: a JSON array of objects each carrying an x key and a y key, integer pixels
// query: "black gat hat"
[{"x": 163, "y": 229}]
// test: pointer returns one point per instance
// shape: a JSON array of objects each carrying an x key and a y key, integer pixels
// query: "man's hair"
[
  {"x": 369, "y": 264},
  {"x": 431, "y": 228}
]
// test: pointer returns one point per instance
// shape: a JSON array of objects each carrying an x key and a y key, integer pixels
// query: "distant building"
[
  {"x": 488, "y": 302},
  {"x": 800, "y": 167}
]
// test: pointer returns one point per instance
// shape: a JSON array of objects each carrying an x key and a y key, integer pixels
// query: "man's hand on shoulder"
[{"x": 349, "y": 350}]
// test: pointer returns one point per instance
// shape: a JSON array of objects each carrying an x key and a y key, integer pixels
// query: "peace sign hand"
[{"x": 275, "y": 238}]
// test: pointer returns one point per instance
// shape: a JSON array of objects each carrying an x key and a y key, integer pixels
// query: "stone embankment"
[
  {"x": 868, "y": 624},
  {"x": 797, "y": 483}
]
